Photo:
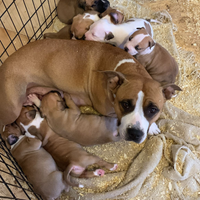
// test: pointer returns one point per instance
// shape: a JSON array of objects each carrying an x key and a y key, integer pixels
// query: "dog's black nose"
[
  {"x": 126, "y": 49},
  {"x": 134, "y": 134},
  {"x": 83, "y": 38}
]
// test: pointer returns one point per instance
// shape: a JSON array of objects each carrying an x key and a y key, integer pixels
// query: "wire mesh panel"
[
  {"x": 13, "y": 183},
  {"x": 22, "y": 21}
]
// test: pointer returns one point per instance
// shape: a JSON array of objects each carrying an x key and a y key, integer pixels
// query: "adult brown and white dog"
[
  {"x": 67, "y": 9},
  {"x": 36, "y": 163},
  {"x": 93, "y": 73},
  {"x": 155, "y": 58}
]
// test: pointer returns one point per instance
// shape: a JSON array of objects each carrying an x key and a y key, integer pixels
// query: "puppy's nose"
[
  {"x": 83, "y": 38},
  {"x": 134, "y": 134},
  {"x": 126, "y": 49}
]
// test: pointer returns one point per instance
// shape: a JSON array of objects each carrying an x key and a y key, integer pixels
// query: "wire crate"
[{"x": 21, "y": 21}]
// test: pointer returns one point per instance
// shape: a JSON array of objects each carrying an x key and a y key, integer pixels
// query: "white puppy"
[{"x": 105, "y": 31}]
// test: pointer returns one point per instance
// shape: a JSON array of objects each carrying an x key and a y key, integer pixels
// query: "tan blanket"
[{"x": 166, "y": 166}]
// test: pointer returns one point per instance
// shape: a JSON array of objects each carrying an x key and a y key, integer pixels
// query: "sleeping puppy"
[
  {"x": 67, "y": 9},
  {"x": 69, "y": 156},
  {"x": 82, "y": 22},
  {"x": 155, "y": 58},
  {"x": 116, "y": 34},
  {"x": 68, "y": 121},
  {"x": 36, "y": 163}
]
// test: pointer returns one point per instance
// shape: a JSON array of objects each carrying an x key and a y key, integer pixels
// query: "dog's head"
[
  {"x": 81, "y": 24},
  {"x": 11, "y": 134},
  {"x": 139, "y": 42},
  {"x": 52, "y": 103},
  {"x": 138, "y": 102},
  {"x": 97, "y": 5},
  {"x": 27, "y": 115},
  {"x": 100, "y": 31}
]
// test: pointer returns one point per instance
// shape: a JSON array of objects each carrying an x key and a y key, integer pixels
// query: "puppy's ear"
[
  {"x": 114, "y": 79},
  {"x": 109, "y": 36},
  {"x": 169, "y": 90},
  {"x": 114, "y": 18},
  {"x": 151, "y": 43},
  {"x": 31, "y": 114}
]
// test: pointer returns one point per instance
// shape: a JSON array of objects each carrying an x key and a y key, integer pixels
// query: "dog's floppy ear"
[
  {"x": 109, "y": 36},
  {"x": 31, "y": 114},
  {"x": 169, "y": 90},
  {"x": 151, "y": 43},
  {"x": 114, "y": 79}
]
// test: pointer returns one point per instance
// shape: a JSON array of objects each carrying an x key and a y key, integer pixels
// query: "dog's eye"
[
  {"x": 130, "y": 38},
  {"x": 137, "y": 47},
  {"x": 151, "y": 110},
  {"x": 127, "y": 105}
]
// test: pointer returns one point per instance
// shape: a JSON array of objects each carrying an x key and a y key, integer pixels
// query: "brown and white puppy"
[
  {"x": 82, "y": 22},
  {"x": 93, "y": 73},
  {"x": 69, "y": 156},
  {"x": 36, "y": 163},
  {"x": 65, "y": 118},
  {"x": 116, "y": 34},
  {"x": 67, "y": 9},
  {"x": 64, "y": 33},
  {"x": 156, "y": 59}
]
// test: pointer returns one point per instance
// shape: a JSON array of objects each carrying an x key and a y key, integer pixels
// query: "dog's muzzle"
[{"x": 135, "y": 134}]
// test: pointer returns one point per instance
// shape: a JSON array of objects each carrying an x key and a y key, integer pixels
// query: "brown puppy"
[
  {"x": 69, "y": 156},
  {"x": 156, "y": 59},
  {"x": 67, "y": 9},
  {"x": 36, "y": 163},
  {"x": 65, "y": 118}
]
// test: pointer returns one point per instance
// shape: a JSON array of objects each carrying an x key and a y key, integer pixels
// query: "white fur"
[
  {"x": 147, "y": 50},
  {"x": 153, "y": 129},
  {"x": 121, "y": 32},
  {"x": 35, "y": 122},
  {"x": 122, "y": 62},
  {"x": 114, "y": 167},
  {"x": 136, "y": 118},
  {"x": 93, "y": 17},
  {"x": 4, "y": 127}
]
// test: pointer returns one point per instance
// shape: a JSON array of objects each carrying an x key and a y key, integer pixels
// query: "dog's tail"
[{"x": 66, "y": 175}]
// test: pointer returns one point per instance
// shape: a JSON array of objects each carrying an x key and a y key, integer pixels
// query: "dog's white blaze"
[
  {"x": 36, "y": 122},
  {"x": 123, "y": 61},
  {"x": 20, "y": 137},
  {"x": 136, "y": 118},
  {"x": 4, "y": 127}
]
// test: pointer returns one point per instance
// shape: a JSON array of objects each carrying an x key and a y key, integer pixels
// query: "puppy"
[
  {"x": 105, "y": 31},
  {"x": 69, "y": 156},
  {"x": 155, "y": 58},
  {"x": 68, "y": 121},
  {"x": 67, "y": 9},
  {"x": 82, "y": 22},
  {"x": 36, "y": 163},
  {"x": 64, "y": 33}
]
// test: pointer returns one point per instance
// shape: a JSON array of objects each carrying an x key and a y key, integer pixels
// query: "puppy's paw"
[
  {"x": 99, "y": 172},
  {"x": 153, "y": 129},
  {"x": 34, "y": 99},
  {"x": 113, "y": 168}
]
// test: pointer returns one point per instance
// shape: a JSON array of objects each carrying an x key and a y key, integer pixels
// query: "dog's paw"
[
  {"x": 34, "y": 99},
  {"x": 153, "y": 129},
  {"x": 113, "y": 168},
  {"x": 99, "y": 172}
]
